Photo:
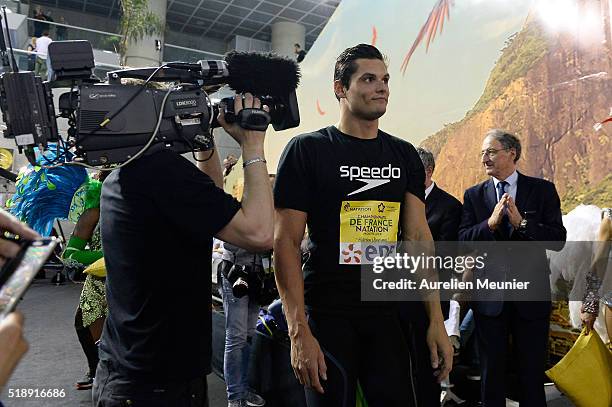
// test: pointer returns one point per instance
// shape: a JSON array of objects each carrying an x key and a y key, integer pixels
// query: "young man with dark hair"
[{"x": 345, "y": 340}]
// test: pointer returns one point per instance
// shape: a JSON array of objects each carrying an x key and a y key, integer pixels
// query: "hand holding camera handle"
[
  {"x": 248, "y": 118},
  {"x": 253, "y": 119}
]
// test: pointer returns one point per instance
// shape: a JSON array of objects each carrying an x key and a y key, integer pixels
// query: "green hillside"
[
  {"x": 599, "y": 194},
  {"x": 521, "y": 52}
]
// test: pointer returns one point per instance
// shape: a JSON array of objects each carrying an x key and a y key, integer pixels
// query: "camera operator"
[{"x": 155, "y": 349}]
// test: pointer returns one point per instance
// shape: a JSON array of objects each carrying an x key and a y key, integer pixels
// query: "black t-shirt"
[
  {"x": 352, "y": 190},
  {"x": 158, "y": 217}
]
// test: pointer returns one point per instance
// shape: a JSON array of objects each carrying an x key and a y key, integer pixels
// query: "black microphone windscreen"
[{"x": 262, "y": 74}]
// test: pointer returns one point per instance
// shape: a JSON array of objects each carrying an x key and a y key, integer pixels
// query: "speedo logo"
[{"x": 372, "y": 176}]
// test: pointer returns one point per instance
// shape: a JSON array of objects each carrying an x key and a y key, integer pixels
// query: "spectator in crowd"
[
  {"x": 49, "y": 18},
  {"x": 42, "y": 49},
  {"x": 31, "y": 47},
  {"x": 228, "y": 166},
  {"x": 40, "y": 26},
  {"x": 240, "y": 318},
  {"x": 61, "y": 30},
  {"x": 241, "y": 313}
]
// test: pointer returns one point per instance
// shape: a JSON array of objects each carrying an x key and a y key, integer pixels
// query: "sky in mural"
[{"x": 439, "y": 86}]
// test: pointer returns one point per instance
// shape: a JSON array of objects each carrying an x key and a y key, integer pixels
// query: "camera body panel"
[{"x": 183, "y": 127}]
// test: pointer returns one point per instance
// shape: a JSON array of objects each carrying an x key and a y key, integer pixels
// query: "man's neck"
[
  {"x": 364, "y": 129},
  {"x": 506, "y": 174}
]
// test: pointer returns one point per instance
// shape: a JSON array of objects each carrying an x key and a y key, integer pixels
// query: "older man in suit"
[
  {"x": 507, "y": 207},
  {"x": 442, "y": 209}
]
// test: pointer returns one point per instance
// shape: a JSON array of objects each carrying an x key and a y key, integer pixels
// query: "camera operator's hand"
[
  {"x": 9, "y": 223},
  {"x": 243, "y": 136},
  {"x": 252, "y": 228},
  {"x": 12, "y": 344}
]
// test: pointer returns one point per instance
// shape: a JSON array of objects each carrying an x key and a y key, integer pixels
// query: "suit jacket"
[
  {"x": 538, "y": 202},
  {"x": 443, "y": 215}
]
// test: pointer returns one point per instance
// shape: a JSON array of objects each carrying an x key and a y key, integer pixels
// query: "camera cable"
[{"x": 138, "y": 154}]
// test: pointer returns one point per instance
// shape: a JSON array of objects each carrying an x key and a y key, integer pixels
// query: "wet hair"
[
  {"x": 346, "y": 65},
  {"x": 507, "y": 140}
]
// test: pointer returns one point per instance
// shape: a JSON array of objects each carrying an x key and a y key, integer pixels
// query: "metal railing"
[
  {"x": 101, "y": 40},
  {"x": 108, "y": 41},
  {"x": 26, "y": 61},
  {"x": 177, "y": 53}
]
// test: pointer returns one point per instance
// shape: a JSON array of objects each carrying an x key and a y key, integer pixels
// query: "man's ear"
[
  {"x": 339, "y": 89},
  {"x": 513, "y": 151}
]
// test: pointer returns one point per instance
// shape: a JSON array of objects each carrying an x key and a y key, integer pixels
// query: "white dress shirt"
[
  {"x": 512, "y": 184},
  {"x": 429, "y": 189}
]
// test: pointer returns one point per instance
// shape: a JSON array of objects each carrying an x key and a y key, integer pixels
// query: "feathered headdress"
[{"x": 45, "y": 194}]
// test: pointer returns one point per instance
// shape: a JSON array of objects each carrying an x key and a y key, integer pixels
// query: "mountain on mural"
[{"x": 549, "y": 90}]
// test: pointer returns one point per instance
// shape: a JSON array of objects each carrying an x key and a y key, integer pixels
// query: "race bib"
[{"x": 368, "y": 229}]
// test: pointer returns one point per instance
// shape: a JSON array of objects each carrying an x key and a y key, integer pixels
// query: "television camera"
[{"x": 143, "y": 109}]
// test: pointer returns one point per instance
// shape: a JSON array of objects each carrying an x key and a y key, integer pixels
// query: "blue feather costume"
[{"x": 44, "y": 194}]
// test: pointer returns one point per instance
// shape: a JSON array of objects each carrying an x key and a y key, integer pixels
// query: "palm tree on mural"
[{"x": 435, "y": 21}]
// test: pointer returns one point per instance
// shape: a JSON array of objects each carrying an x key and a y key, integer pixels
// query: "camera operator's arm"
[
  {"x": 12, "y": 345},
  {"x": 211, "y": 166},
  {"x": 307, "y": 359},
  {"x": 252, "y": 228}
]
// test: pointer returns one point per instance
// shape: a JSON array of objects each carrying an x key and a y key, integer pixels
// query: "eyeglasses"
[{"x": 491, "y": 152}]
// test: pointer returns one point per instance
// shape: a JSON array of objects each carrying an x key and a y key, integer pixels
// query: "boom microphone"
[{"x": 262, "y": 74}]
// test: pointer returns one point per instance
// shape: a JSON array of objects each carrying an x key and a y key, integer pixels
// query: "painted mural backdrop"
[{"x": 538, "y": 68}]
